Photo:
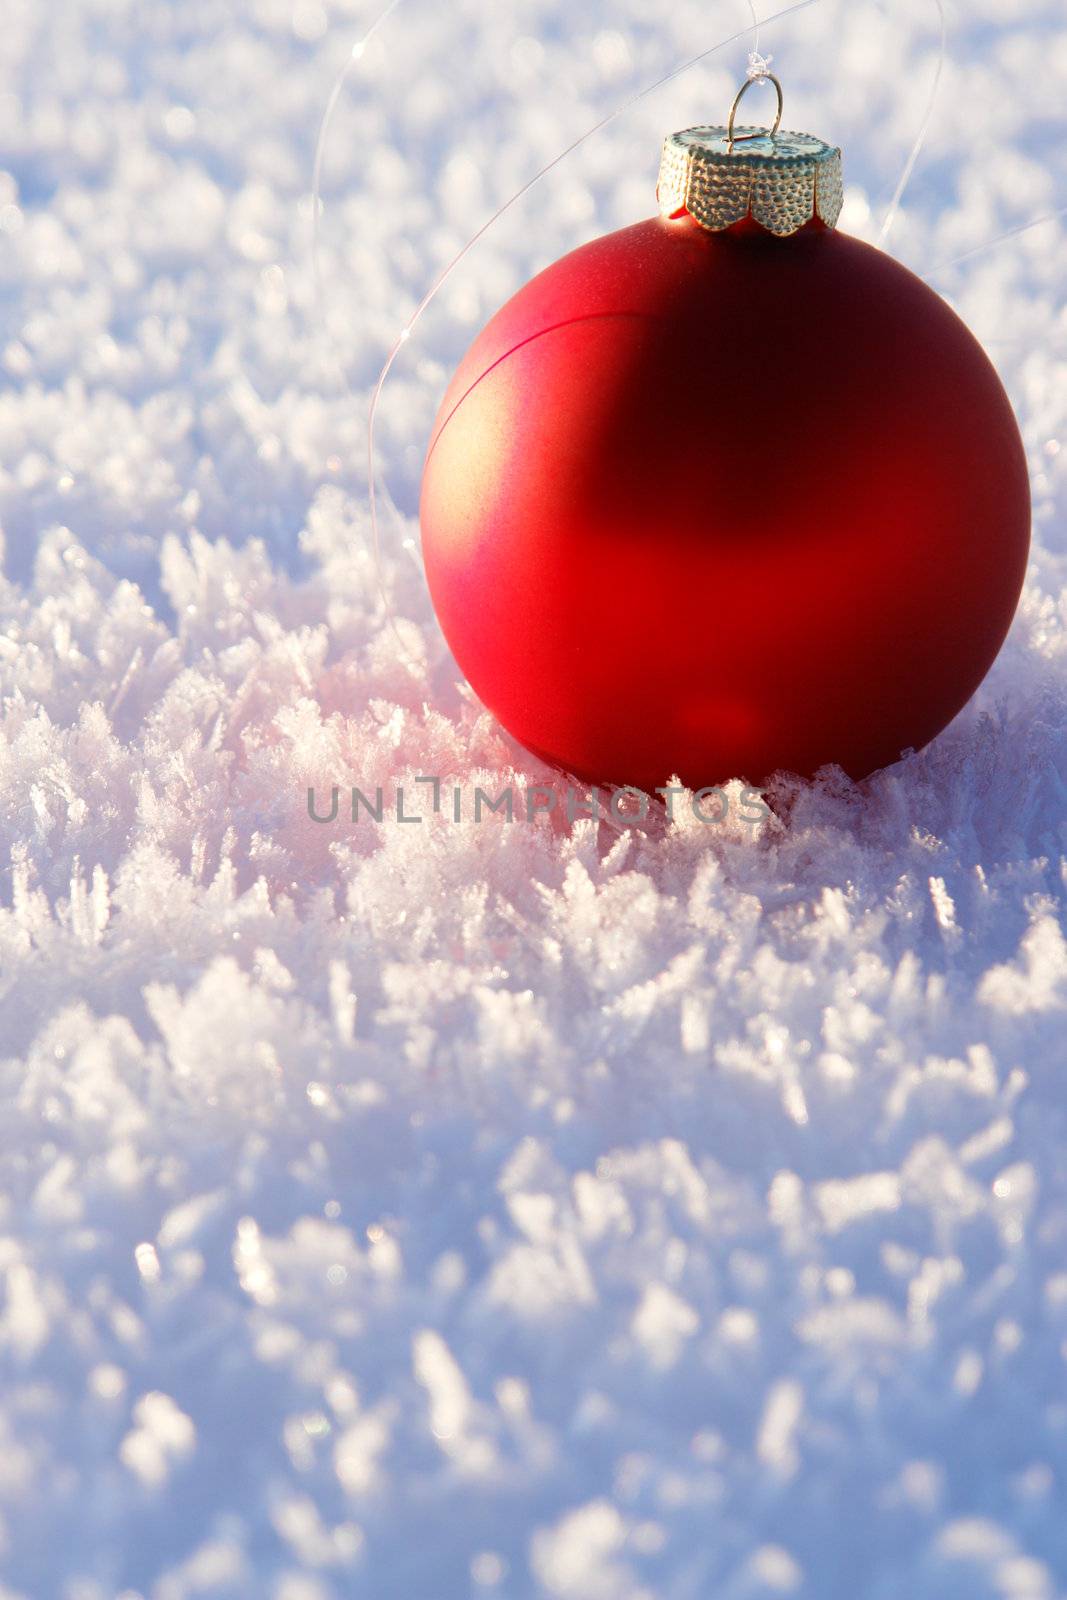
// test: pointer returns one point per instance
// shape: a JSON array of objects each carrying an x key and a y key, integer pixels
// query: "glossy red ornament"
[{"x": 716, "y": 504}]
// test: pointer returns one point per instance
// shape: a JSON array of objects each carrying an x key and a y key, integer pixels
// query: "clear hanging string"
[
  {"x": 438, "y": 283},
  {"x": 991, "y": 244},
  {"x": 758, "y": 66},
  {"x": 924, "y": 128},
  {"x": 356, "y": 53}
]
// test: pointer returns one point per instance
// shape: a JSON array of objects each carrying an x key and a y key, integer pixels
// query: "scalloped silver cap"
[{"x": 781, "y": 180}]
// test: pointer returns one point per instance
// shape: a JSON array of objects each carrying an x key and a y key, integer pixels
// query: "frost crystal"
[{"x": 537, "y": 1211}]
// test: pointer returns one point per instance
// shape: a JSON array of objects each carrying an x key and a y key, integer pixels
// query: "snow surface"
[{"x": 446, "y": 1210}]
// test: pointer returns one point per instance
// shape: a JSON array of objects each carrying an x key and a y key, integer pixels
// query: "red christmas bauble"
[{"x": 719, "y": 503}]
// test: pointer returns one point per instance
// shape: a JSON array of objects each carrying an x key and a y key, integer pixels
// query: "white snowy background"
[{"x": 423, "y": 1212}]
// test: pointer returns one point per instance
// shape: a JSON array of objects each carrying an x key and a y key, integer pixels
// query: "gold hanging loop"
[{"x": 763, "y": 77}]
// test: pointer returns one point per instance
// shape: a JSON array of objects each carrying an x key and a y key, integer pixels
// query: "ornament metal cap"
[{"x": 780, "y": 179}]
